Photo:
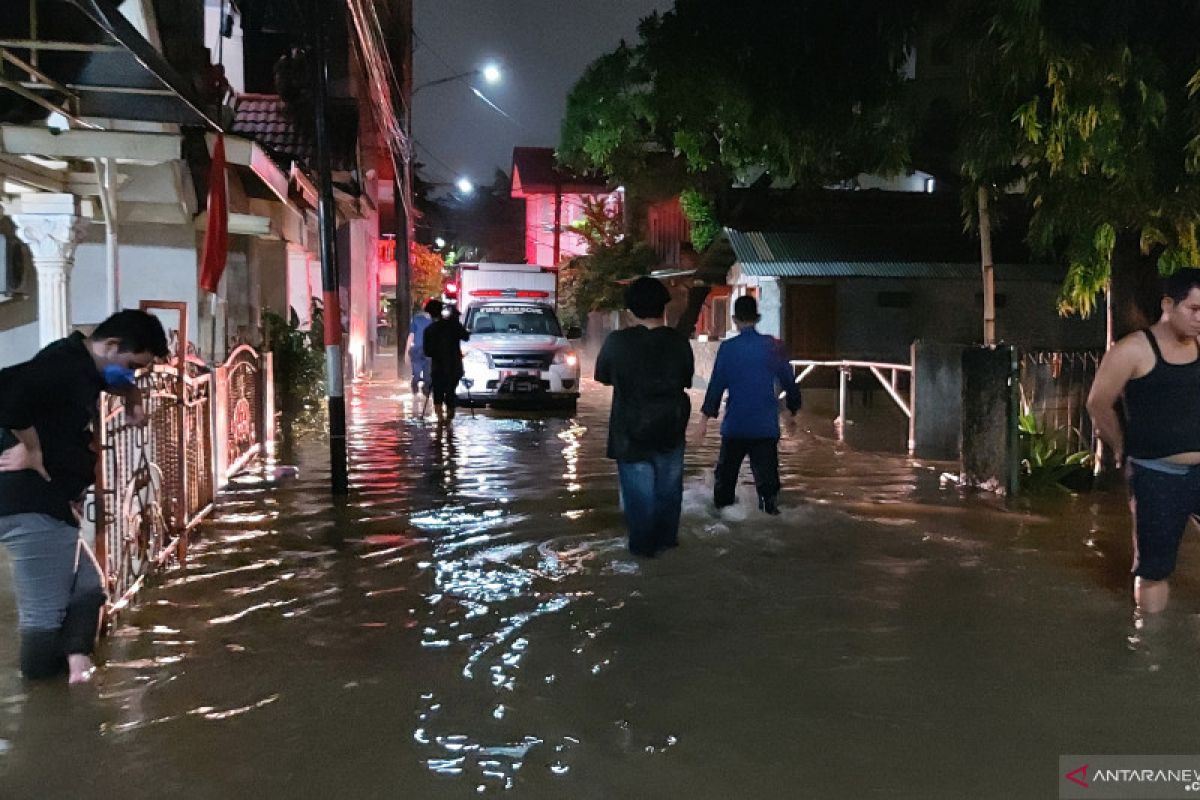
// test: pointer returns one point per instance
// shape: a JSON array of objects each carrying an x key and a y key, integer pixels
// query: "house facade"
[
  {"x": 554, "y": 200},
  {"x": 104, "y": 204},
  {"x": 868, "y": 292}
]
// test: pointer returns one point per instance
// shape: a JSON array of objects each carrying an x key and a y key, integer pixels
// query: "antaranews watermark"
[{"x": 1149, "y": 777}]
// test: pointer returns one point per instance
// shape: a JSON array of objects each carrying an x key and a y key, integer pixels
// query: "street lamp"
[
  {"x": 490, "y": 73},
  {"x": 464, "y": 186}
]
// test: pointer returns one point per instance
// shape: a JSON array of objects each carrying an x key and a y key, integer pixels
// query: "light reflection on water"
[{"x": 471, "y": 622}]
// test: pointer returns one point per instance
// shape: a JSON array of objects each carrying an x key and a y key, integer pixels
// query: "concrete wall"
[
  {"x": 18, "y": 329},
  {"x": 364, "y": 235},
  {"x": 158, "y": 262},
  {"x": 268, "y": 260},
  {"x": 937, "y": 310}
]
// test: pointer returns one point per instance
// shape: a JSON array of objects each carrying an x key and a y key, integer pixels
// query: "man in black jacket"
[
  {"x": 650, "y": 369},
  {"x": 444, "y": 352},
  {"x": 47, "y": 408}
]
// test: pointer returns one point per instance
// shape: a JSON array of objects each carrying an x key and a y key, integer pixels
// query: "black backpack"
[{"x": 656, "y": 407}]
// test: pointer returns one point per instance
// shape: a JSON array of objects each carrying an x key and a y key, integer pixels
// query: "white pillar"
[
  {"x": 51, "y": 225},
  {"x": 770, "y": 306},
  {"x": 299, "y": 296}
]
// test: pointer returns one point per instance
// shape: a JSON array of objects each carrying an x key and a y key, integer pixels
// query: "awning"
[{"x": 88, "y": 60}]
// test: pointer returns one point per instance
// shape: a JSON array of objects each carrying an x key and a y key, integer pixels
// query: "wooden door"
[{"x": 811, "y": 330}]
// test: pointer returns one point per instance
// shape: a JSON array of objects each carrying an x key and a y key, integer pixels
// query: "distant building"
[{"x": 554, "y": 200}]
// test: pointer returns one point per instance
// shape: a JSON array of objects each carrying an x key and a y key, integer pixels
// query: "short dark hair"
[
  {"x": 1178, "y": 285},
  {"x": 745, "y": 309},
  {"x": 433, "y": 307},
  {"x": 647, "y": 298},
  {"x": 138, "y": 331}
]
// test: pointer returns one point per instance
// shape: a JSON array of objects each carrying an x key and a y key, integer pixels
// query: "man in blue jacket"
[{"x": 748, "y": 367}]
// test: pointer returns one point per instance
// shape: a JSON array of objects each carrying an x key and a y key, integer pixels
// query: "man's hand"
[
  {"x": 135, "y": 415},
  {"x": 701, "y": 430},
  {"x": 789, "y": 422},
  {"x": 19, "y": 457}
]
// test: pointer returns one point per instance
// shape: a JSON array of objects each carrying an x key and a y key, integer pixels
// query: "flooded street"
[{"x": 472, "y": 624}]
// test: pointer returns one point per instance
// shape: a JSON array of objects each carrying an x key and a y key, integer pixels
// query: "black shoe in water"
[{"x": 768, "y": 505}]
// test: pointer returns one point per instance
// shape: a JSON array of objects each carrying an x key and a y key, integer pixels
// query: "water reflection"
[{"x": 471, "y": 622}]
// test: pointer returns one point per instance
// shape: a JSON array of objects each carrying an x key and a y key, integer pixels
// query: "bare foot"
[{"x": 81, "y": 668}]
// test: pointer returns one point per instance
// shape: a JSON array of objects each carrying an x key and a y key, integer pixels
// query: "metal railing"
[
  {"x": 1054, "y": 388},
  {"x": 154, "y": 483},
  {"x": 890, "y": 384}
]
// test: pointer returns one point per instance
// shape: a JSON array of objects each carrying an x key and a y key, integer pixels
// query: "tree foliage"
[
  {"x": 1097, "y": 104},
  {"x": 808, "y": 90},
  {"x": 701, "y": 215},
  {"x": 425, "y": 274},
  {"x": 590, "y": 283}
]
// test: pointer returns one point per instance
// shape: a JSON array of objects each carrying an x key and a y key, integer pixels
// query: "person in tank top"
[{"x": 1155, "y": 373}]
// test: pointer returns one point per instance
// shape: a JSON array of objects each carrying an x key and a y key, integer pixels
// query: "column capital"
[{"x": 50, "y": 224}]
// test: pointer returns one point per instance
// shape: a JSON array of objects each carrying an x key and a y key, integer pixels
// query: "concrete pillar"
[
  {"x": 299, "y": 295},
  {"x": 770, "y": 307},
  {"x": 51, "y": 225},
  {"x": 315, "y": 284}
]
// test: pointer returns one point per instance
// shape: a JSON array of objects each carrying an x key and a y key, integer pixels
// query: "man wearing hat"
[
  {"x": 650, "y": 369},
  {"x": 749, "y": 367}
]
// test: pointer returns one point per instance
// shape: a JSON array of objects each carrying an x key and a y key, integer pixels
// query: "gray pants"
[{"x": 59, "y": 589}]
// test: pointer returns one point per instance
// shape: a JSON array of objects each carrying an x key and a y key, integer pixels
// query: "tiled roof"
[
  {"x": 263, "y": 118},
  {"x": 853, "y": 251}
]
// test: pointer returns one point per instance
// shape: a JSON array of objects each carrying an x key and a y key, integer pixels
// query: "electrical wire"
[{"x": 385, "y": 87}]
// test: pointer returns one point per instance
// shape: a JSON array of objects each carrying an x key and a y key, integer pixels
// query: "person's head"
[
  {"x": 647, "y": 298},
  {"x": 131, "y": 339},
  {"x": 745, "y": 311},
  {"x": 1181, "y": 301},
  {"x": 433, "y": 307}
]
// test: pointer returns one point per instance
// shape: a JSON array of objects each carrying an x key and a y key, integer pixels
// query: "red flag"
[{"x": 216, "y": 235}]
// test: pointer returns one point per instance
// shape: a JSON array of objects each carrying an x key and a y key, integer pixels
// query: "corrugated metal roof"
[{"x": 870, "y": 252}]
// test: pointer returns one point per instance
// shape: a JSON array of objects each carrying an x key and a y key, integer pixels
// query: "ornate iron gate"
[{"x": 155, "y": 483}]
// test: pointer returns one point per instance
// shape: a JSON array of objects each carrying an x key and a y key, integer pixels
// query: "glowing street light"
[
  {"x": 490, "y": 72},
  {"x": 439, "y": 242},
  {"x": 464, "y": 186}
]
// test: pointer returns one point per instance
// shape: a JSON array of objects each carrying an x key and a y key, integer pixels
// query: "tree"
[
  {"x": 809, "y": 91},
  {"x": 1097, "y": 104},
  {"x": 591, "y": 282},
  {"x": 425, "y": 275}
]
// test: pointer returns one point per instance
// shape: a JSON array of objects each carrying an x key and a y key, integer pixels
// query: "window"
[{"x": 513, "y": 319}]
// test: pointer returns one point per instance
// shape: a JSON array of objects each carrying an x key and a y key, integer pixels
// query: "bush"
[
  {"x": 1046, "y": 464},
  {"x": 298, "y": 356}
]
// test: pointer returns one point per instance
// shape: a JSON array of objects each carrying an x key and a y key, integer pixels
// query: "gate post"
[
  {"x": 990, "y": 445},
  {"x": 267, "y": 367}
]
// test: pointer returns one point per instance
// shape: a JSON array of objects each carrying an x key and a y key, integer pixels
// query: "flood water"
[{"x": 470, "y": 623}]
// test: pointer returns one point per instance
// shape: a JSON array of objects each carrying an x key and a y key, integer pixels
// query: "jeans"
[
  {"x": 651, "y": 496},
  {"x": 445, "y": 389},
  {"x": 59, "y": 591},
  {"x": 764, "y": 463},
  {"x": 420, "y": 372}
]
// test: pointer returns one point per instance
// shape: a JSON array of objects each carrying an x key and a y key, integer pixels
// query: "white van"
[{"x": 518, "y": 351}]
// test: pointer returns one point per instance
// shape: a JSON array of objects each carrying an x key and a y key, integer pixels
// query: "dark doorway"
[{"x": 811, "y": 331}]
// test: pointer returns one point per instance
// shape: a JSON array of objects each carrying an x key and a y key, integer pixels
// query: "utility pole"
[
  {"x": 327, "y": 220},
  {"x": 402, "y": 194}
]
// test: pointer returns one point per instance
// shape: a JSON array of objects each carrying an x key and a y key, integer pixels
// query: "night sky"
[{"x": 543, "y": 46}]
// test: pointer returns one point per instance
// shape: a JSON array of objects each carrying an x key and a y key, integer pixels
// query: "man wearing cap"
[
  {"x": 650, "y": 369},
  {"x": 750, "y": 367}
]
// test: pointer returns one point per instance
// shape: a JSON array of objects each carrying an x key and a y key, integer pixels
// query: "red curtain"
[{"x": 216, "y": 235}]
